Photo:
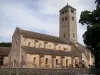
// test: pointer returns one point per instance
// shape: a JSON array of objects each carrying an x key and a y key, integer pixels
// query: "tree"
[
  {"x": 4, "y": 44},
  {"x": 92, "y": 36},
  {"x": 98, "y": 2}
]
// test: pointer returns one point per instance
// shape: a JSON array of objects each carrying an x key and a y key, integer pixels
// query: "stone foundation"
[{"x": 29, "y": 71}]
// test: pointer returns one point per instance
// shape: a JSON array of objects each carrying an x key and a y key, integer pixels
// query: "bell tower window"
[
  {"x": 66, "y": 18},
  {"x": 72, "y": 10},
  {"x": 62, "y": 12},
  {"x": 73, "y": 18},
  {"x": 62, "y": 19},
  {"x": 64, "y": 35},
  {"x": 66, "y": 10},
  {"x": 68, "y": 24}
]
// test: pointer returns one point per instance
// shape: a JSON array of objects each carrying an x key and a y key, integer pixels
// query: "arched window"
[
  {"x": 56, "y": 61},
  {"x": 29, "y": 44},
  {"x": 73, "y": 18},
  {"x": 39, "y": 45},
  {"x": 62, "y": 12},
  {"x": 65, "y": 49},
  {"x": 36, "y": 40},
  {"x": 72, "y": 10},
  {"x": 46, "y": 61},
  {"x": 64, "y": 35},
  {"x": 66, "y": 10},
  {"x": 34, "y": 60},
  {"x": 62, "y": 19},
  {"x": 66, "y": 18},
  {"x": 66, "y": 61}
]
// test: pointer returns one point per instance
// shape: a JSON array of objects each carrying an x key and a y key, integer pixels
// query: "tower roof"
[{"x": 67, "y": 6}]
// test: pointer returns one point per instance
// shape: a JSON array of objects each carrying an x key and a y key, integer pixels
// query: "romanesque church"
[{"x": 36, "y": 50}]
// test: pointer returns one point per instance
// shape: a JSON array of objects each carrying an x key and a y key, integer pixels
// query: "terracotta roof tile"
[
  {"x": 4, "y": 51},
  {"x": 40, "y": 36}
]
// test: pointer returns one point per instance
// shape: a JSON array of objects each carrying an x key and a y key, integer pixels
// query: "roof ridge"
[
  {"x": 39, "y": 33},
  {"x": 42, "y": 36}
]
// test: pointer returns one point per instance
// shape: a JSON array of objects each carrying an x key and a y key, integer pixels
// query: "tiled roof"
[
  {"x": 32, "y": 50},
  {"x": 4, "y": 51},
  {"x": 84, "y": 50},
  {"x": 67, "y": 6},
  {"x": 40, "y": 36}
]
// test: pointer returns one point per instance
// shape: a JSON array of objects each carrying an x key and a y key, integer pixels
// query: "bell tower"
[{"x": 68, "y": 26}]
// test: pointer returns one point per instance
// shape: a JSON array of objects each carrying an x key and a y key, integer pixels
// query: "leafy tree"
[
  {"x": 92, "y": 36},
  {"x": 98, "y": 2},
  {"x": 4, "y": 44}
]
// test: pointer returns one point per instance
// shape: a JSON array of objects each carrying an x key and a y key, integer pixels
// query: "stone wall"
[
  {"x": 31, "y": 42},
  {"x": 68, "y": 26},
  {"x": 28, "y": 71},
  {"x": 49, "y": 61}
]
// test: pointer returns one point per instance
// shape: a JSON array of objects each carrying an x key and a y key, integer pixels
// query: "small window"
[
  {"x": 66, "y": 10},
  {"x": 64, "y": 36},
  {"x": 65, "y": 49},
  {"x": 72, "y": 10},
  {"x": 62, "y": 19},
  {"x": 73, "y": 18},
  {"x": 66, "y": 61},
  {"x": 62, "y": 12},
  {"x": 34, "y": 60},
  {"x": 56, "y": 44},
  {"x": 29, "y": 44},
  {"x": 46, "y": 61},
  {"x": 66, "y": 18},
  {"x": 56, "y": 61},
  {"x": 36, "y": 40}
]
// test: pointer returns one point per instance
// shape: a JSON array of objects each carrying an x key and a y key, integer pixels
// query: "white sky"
[{"x": 37, "y": 15}]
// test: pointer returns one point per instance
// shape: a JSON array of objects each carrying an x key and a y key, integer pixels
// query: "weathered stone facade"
[{"x": 35, "y": 50}]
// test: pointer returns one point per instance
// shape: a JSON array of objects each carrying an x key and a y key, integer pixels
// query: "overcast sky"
[{"x": 38, "y": 16}]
